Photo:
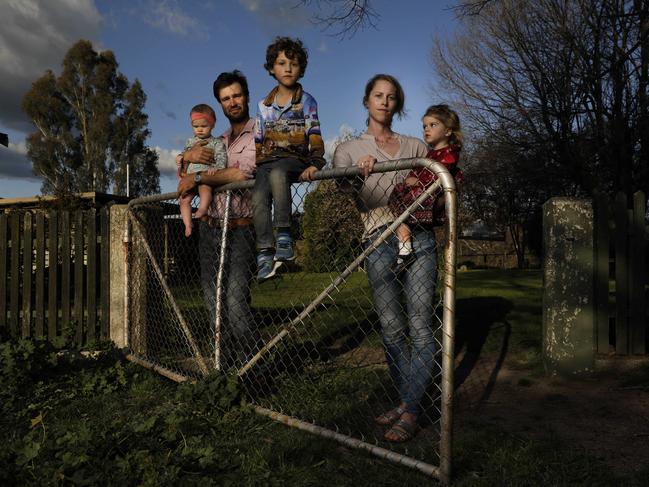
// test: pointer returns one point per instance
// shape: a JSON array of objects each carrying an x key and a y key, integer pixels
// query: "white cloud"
[
  {"x": 168, "y": 15},
  {"x": 35, "y": 36},
  {"x": 277, "y": 16},
  {"x": 323, "y": 46},
  {"x": 167, "y": 160},
  {"x": 14, "y": 162},
  {"x": 345, "y": 132}
]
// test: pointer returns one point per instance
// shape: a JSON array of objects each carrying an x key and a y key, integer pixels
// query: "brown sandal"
[
  {"x": 389, "y": 417},
  {"x": 401, "y": 431}
]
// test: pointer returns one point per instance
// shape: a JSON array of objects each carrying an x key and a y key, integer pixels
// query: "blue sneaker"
[
  {"x": 284, "y": 249},
  {"x": 266, "y": 267}
]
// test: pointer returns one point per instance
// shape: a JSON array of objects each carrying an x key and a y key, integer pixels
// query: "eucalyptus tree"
[
  {"x": 88, "y": 122},
  {"x": 130, "y": 155}
]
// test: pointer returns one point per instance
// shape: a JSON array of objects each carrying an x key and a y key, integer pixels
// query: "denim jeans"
[
  {"x": 410, "y": 361},
  {"x": 273, "y": 185},
  {"x": 239, "y": 337}
]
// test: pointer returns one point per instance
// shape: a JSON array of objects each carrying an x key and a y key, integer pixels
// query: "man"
[{"x": 239, "y": 338}]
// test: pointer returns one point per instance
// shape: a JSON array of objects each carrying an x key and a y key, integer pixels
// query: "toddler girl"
[{"x": 443, "y": 135}]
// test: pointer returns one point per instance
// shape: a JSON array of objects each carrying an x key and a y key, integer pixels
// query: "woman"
[{"x": 410, "y": 364}]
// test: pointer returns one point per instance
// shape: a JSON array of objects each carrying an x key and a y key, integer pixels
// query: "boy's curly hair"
[{"x": 293, "y": 49}]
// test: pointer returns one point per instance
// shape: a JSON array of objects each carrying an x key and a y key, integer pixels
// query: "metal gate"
[{"x": 308, "y": 345}]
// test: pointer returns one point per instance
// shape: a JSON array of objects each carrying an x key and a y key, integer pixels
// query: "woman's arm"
[{"x": 343, "y": 159}]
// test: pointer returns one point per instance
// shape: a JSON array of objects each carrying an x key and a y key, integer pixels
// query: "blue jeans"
[
  {"x": 411, "y": 364},
  {"x": 239, "y": 337},
  {"x": 273, "y": 185}
]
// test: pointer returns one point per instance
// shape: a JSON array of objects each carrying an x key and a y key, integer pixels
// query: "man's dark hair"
[
  {"x": 226, "y": 79},
  {"x": 293, "y": 49}
]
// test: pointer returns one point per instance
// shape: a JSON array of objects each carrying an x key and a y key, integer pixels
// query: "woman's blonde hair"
[{"x": 451, "y": 121}]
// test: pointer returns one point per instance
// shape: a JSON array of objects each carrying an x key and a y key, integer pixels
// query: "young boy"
[{"x": 289, "y": 148}]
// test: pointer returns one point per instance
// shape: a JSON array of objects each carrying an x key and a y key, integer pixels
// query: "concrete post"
[
  {"x": 568, "y": 272},
  {"x": 118, "y": 256}
]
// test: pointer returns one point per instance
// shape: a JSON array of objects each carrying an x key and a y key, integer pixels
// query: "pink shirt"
[{"x": 241, "y": 154}]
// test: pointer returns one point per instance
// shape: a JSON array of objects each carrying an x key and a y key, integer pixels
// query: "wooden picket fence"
[
  {"x": 621, "y": 302},
  {"x": 55, "y": 274}
]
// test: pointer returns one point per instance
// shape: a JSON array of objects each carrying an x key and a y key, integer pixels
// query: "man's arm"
[
  {"x": 213, "y": 178},
  {"x": 199, "y": 154}
]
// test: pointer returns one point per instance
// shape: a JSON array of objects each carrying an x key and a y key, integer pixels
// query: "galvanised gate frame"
[{"x": 319, "y": 354}]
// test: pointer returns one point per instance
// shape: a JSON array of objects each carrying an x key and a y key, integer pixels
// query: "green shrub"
[{"x": 332, "y": 229}]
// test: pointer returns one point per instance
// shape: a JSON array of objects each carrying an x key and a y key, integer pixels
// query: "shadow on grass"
[
  {"x": 348, "y": 338},
  {"x": 291, "y": 357},
  {"x": 476, "y": 319}
]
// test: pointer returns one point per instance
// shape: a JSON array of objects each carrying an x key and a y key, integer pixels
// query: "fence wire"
[{"x": 309, "y": 345}]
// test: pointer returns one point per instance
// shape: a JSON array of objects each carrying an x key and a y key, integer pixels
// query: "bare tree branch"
[
  {"x": 344, "y": 17},
  {"x": 471, "y": 7},
  {"x": 565, "y": 77}
]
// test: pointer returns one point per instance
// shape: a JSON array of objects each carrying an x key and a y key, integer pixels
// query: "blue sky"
[{"x": 176, "y": 48}]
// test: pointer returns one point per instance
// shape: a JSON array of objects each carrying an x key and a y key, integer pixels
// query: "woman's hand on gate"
[{"x": 366, "y": 164}]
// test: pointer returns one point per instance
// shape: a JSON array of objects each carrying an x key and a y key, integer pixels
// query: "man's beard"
[{"x": 243, "y": 115}]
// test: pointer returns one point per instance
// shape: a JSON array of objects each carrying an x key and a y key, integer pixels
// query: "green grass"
[
  {"x": 300, "y": 288},
  {"x": 500, "y": 312},
  {"x": 348, "y": 305},
  {"x": 67, "y": 420},
  {"x": 486, "y": 456}
]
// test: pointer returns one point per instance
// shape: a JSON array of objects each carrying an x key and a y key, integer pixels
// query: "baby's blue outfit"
[{"x": 220, "y": 154}]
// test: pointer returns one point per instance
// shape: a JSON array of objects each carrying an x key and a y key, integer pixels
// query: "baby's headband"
[{"x": 206, "y": 116}]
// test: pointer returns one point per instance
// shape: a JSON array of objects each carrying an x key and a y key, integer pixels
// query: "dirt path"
[{"x": 598, "y": 414}]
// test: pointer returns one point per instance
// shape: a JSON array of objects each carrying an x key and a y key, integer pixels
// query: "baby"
[{"x": 203, "y": 119}]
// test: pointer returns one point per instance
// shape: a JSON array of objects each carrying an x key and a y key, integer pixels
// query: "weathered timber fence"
[
  {"x": 620, "y": 288},
  {"x": 55, "y": 273}
]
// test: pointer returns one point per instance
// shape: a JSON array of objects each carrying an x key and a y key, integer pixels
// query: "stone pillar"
[{"x": 568, "y": 271}]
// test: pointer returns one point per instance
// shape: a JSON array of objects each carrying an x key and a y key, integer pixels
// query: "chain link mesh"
[{"x": 308, "y": 344}]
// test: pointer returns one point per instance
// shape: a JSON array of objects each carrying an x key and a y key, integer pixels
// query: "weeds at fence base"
[{"x": 69, "y": 419}]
